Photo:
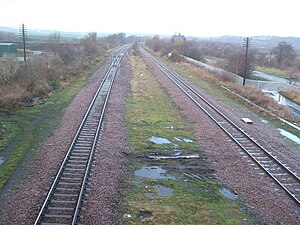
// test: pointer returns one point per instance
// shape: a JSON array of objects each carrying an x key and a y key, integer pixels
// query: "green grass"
[
  {"x": 150, "y": 112},
  {"x": 26, "y": 129}
]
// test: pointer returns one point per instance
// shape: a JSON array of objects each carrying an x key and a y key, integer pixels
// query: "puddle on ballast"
[
  {"x": 289, "y": 135},
  {"x": 228, "y": 194},
  {"x": 153, "y": 172},
  {"x": 159, "y": 140},
  {"x": 1, "y": 160}
]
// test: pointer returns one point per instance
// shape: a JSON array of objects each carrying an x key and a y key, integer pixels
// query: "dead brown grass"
[{"x": 292, "y": 95}]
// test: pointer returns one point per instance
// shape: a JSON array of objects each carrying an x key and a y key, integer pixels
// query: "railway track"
[
  {"x": 63, "y": 201},
  {"x": 278, "y": 171}
]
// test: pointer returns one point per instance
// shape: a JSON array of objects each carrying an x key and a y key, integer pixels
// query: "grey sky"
[{"x": 189, "y": 17}]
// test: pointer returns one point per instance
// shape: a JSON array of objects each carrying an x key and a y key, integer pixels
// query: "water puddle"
[
  {"x": 291, "y": 106},
  {"x": 177, "y": 139},
  {"x": 153, "y": 172},
  {"x": 228, "y": 194},
  {"x": 169, "y": 127},
  {"x": 159, "y": 140},
  {"x": 264, "y": 121},
  {"x": 174, "y": 157},
  {"x": 289, "y": 135},
  {"x": 1, "y": 160},
  {"x": 163, "y": 191},
  {"x": 186, "y": 140}
]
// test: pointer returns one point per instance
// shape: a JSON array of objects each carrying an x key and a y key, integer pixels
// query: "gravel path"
[
  {"x": 234, "y": 170},
  {"x": 21, "y": 203}
]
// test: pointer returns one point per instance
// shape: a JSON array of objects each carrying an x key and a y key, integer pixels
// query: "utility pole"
[
  {"x": 23, "y": 33},
  {"x": 246, "y": 44}
]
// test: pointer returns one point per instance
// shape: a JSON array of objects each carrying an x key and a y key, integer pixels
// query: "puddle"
[
  {"x": 174, "y": 157},
  {"x": 187, "y": 140},
  {"x": 163, "y": 191},
  {"x": 1, "y": 160},
  {"x": 169, "y": 127},
  {"x": 228, "y": 194},
  {"x": 177, "y": 139},
  {"x": 153, "y": 172},
  {"x": 291, "y": 106},
  {"x": 159, "y": 140},
  {"x": 289, "y": 135},
  {"x": 264, "y": 121}
]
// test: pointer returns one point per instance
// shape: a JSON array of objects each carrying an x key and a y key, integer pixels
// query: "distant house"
[{"x": 7, "y": 48}]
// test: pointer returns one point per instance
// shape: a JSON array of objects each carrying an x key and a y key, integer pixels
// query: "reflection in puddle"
[
  {"x": 289, "y": 135},
  {"x": 153, "y": 172},
  {"x": 264, "y": 121},
  {"x": 228, "y": 194},
  {"x": 291, "y": 106},
  {"x": 159, "y": 140},
  {"x": 163, "y": 191},
  {"x": 174, "y": 157},
  {"x": 187, "y": 140},
  {"x": 1, "y": 160}
]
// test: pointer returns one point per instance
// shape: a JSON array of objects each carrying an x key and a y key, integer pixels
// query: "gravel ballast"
[
  {"x": 270, "y": 203},
  {"x": 21, "y": 203}
]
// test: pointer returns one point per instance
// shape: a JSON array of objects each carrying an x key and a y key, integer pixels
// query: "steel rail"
[
  {"x": 178, "y": 82},
  {"x": 114, "y": 63}
]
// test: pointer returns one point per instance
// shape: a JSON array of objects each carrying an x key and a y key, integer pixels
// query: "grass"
[
  {"x": 150, "y": 112},
  {"x": 273, "y": 71},
  {"x": 292, "y": 95},
  {"x": 26, "y": 129}
]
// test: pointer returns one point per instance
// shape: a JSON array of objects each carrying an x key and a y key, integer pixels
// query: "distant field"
[
  {"x": 272, "y": 71},
  {"x": 45, "y": 37}
]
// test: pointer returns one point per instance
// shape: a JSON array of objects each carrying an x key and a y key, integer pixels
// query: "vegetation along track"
[
  {"x": 63, "y": 201},
  {"x": 277, "y": 170}
]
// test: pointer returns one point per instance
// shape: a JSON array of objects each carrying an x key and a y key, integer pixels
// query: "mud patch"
[{"x": 144, "y": 214}]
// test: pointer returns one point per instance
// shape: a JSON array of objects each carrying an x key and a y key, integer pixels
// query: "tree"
[
  {"x": 284, "y": 54},
  {"x": 54, "y": 40}
]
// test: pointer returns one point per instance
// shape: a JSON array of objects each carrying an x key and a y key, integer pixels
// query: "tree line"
[{"x": 230, "y": 56}]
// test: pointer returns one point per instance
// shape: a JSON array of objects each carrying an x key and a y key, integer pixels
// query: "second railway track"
[
  {"x": 277, "y": 170},
  {"x": 63, "y": 201}
]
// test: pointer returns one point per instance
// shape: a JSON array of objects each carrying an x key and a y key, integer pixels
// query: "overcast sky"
[{"x": 189, "y": 17}]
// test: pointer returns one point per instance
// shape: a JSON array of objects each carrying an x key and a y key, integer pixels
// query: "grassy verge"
[
  {"x": 150, "y": 112},
  {"x": 292, "y": 95},
  {"x": 26, "y": 129},
  {"x": 273, "y": 71}
]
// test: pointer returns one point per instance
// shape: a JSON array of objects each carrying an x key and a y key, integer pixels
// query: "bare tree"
[
  {"x": 284, "y": 54},
  {"x": 54, "y": 39}
]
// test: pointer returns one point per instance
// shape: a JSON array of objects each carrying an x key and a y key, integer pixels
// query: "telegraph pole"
[
  {"x": 246, "y": 44},
  {"x": 23, "y": 33}
]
